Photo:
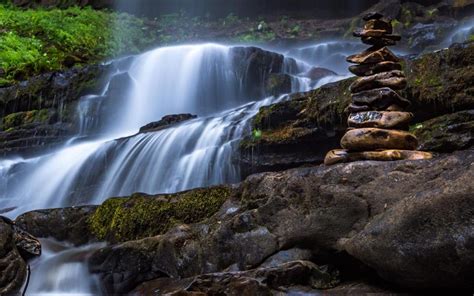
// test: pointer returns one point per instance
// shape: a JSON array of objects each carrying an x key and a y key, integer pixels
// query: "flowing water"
[{"x": 108, "y": 158}]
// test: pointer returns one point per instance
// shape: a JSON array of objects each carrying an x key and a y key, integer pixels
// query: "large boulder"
[
  {"x": 67, "y": 224},
  {"x": 324, "y": 210},
  {"x": 300, "y": 131}
]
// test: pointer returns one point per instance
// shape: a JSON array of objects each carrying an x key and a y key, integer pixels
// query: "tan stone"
[
  {"x": 378, "y": 24},
  {"x": 371, "y": 69},
  {"x": 370, "y": 33},
  {"x": 380, "y": 119},
  {"x": 373, "y": 56},
  {"x": 393, "y": 79},
  {"x": 342, "y": 155},
  {"x": 367, "y": 139}
]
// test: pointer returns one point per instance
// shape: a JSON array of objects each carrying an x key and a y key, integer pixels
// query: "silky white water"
[{"x": 206, "y": 80}]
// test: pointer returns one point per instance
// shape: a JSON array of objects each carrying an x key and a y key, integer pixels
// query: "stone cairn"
[{"x": 377, "y": 122}]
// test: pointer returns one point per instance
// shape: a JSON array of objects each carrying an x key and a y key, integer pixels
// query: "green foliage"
[
  {"x": 33, "y": 41},
  {"x": 15, "y": 120},
  {"x": 123, "y": 219}
]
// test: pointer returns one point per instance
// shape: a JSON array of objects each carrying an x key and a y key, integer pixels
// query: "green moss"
[
  {"x": 123, "y": 219},
  {"x": 21, "y": 118}
]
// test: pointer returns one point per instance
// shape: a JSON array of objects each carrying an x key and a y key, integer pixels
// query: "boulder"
[
  {"x": 446, "y": 133},
  {"x": 13, "y": 271},
  {"x": 277, "y": 84},
  {"x": 369, "y": 139},
  {"x": 384, "y": 119},
  {"x": 374, "y": 56},
  {"x": 427, "y": 239},
  {"x": 342, "y": 155},
  {"x": 393, "y": 79},
  {"x": 67, "y": 224},
  {"x": 379, "y": 98}
]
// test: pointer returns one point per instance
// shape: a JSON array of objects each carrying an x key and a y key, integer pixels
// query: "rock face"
[{"x": 325, "y": 210}]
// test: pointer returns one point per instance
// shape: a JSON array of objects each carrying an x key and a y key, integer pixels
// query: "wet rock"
[
  {"x": 166, "y": 122},
  {"x": 427, "y": 236},
  {"x": 393, "y": 79},
  {"x": 369, "y": 139},
  {"x": 13, "y": 270},
  {"x": 446, "y": 133},
  {"x": 387, "y": 119},
  {"x": 31, "y": 139},
  {"x": 343, "y": 155},
  {"x": 379, "y": 98},
  {"x": 66, "y": 224},
  {"x": 261, "y": 281},
  {"x": 278, "y": 84},
  {"x": 378, "y": 24},
  {"x": 372, "y": 56},
  {"x": 371, "y": 69},
  {"x": 287, "y": 256},
  {"x": 370, "y": 33}
]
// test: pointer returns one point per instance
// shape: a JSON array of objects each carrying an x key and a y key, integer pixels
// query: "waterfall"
[
  {"x": 218, "y": 83},
  {"x": 200, "y": 79},
  {"x": 62, "y": 270}
]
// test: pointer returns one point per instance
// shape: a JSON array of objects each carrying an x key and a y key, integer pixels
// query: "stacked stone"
[{"x": 377, "y": 122}]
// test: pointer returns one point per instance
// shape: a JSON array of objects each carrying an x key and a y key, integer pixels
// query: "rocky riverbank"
[{"x": 334, "y": 225}]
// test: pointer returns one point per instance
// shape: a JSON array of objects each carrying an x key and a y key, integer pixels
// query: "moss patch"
[
  {"x": 140, "y": 216},
  {"x": 18, "y": 119}
]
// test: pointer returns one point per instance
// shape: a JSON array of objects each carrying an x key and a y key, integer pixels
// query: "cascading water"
[{"x": 200, "y": 79}]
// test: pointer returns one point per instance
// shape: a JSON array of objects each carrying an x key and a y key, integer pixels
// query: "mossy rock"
[
  {"x": 15, "y": 120},
  {"x": 140, "y": 216},
  {"x": 446, "y": 133}
]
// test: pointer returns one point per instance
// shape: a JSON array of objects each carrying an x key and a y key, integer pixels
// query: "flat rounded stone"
[
  {"x": 372, "y": 16},
  {"x": 394, "y": 107},
  {"x": 373, "y": 55},
  {"x": 371, "y": 69},
  {"x": 378, "y": 42},
  {"x": 393, "y": 79},
  {"x": 379, "y": 119},
  {"x": 353, "y": 108},
  {"x": 341, "y": 155},
  {"x": 369, "y": 33},
  {"x": 379, "y": 24},
  {"x": 379, "y": 98},
  {"x": 367, "y": 139}
]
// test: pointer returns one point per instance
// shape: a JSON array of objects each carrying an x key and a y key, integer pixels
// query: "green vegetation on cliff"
[
  {"x": 122, "y": 219},
  {"x": 34, "y": 41}
]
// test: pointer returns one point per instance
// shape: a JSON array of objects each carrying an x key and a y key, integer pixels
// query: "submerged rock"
[{"x": 369, "y": 139}]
